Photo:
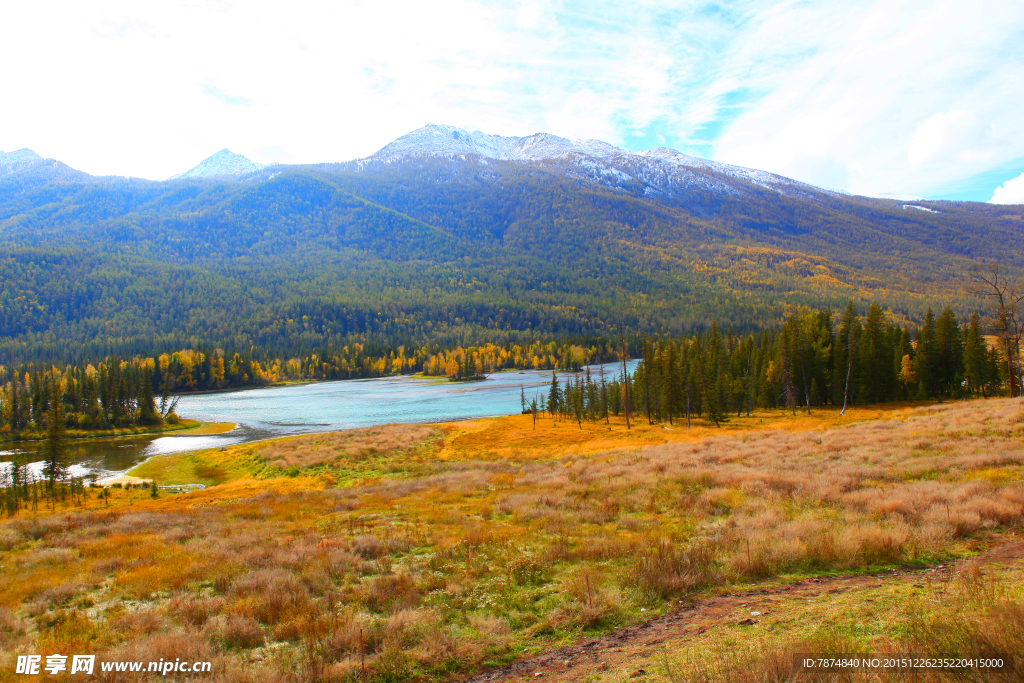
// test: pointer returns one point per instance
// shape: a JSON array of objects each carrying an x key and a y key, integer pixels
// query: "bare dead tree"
[
  {"x": 849, "y": 372},
  {"x": 1005, "y": 297},
  {"x": 788, "y": 388}
]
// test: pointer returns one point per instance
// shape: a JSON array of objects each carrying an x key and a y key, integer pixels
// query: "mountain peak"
[
  {"x": 12, "y": 161},
  {"x": 451, "y": 141},
  {"x": 223, "y": 163},
  {"x": 444, "y": 140}
]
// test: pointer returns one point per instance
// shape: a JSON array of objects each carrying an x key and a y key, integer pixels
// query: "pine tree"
[
  {"x": 874, "y": 357},
  {"x": 647, "y": 358},
  {"x": 15, "y": 408},
  {"x": 554, "y": 396},
  {"x": 975, "y": 357},
  {"x": 604, "y": 395},
  {"x": 624, "y": 352},
  {"x": 147, "y": 404},
  {"x": 669, "y": 382},
  {"x": 927, "y": 373},
  {"x": 54, "y": 469},
  {"x": 948, "y": 353},
  {"x": 712, "y": 379}
]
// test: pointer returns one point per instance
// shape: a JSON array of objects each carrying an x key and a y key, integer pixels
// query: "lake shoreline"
[{"x": 107, "y": 434}]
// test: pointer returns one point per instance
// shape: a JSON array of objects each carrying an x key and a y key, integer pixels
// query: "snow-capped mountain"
[
  {"x": 223, "y": 163},
  {"x": 661, "y": 170},
  {"x": 17, "y": 160},
  {"x": 450, "y": 141}
]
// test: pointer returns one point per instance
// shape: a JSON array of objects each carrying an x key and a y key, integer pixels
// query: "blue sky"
[{"x": 868, "y": 97}]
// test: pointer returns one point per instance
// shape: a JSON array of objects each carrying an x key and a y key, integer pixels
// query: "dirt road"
[{"x": 644, "y": 641}]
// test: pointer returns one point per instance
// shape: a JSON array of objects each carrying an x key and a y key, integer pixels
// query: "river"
[{"x": 305, "y": 408}]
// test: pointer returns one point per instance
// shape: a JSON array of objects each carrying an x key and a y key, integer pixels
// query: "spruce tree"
[
  {"x": 927, "y": 373},
  {"x": 949, "y": 353},
  {"x": 554, "y": 395},
  {"x": 975, "y": 357},
  {"x": 54, "y": 469},
  {"x": 15, "y": 408}
]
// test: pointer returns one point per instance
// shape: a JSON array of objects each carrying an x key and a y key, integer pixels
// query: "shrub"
[
  {"x": 667, "y": 569},
  {"x": 10, "y": 537}
]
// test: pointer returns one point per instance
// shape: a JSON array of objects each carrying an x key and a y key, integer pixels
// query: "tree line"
[
  {"x": 814, "y": 359},
  {"x": 139, "y": 391}
]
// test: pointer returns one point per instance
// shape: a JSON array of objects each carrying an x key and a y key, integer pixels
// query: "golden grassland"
[{"x": 430, "y": 552}]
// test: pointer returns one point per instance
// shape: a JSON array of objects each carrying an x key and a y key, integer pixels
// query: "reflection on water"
[
  {"x": 305, "y": 408},
  {"x": 104, "y": 455}
]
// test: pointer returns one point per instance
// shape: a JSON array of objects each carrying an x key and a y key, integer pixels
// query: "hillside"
[{"x": 446, "y": 236}]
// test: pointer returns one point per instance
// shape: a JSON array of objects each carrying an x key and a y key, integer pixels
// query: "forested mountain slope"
[{"x": 450, "y": 245}]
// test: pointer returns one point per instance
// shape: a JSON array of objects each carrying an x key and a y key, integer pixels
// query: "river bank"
[
  {"x": 75, "y": 434},
  {"x": 257, "y": 414}
]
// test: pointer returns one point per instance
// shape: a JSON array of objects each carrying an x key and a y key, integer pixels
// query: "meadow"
[{"x": 435, "y": 552}]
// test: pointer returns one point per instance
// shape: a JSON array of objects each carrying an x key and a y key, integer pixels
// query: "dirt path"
[{"x": 643, "y": 641}]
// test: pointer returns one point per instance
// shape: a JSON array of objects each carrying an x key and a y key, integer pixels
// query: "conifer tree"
[
  {"x": 975, "y": 357},
  {"x": 15, "y": 408},
  {"x": 711, "y": 378},
  {"x": 554, "y": 396},
  {"x": 604, "y": 394},
  {"x": 54, "y": 469},
  {"x": 624, "y": 351},
  {"x": 926, "y": 359},
  {"x": 949, "y": 352}
]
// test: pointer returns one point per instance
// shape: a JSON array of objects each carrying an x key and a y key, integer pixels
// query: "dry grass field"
[{"x": 408, "y": 553}]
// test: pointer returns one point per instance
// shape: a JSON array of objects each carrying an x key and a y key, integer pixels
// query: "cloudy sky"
[{"x": 919, "y": 97}]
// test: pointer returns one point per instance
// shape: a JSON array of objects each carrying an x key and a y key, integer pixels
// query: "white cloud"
[
  {"x": 859, "y": 79},
  {"x": 840, "y": 94},
  {"x": 1010, "y": 192},
  {"x": 952, "y": 136}
]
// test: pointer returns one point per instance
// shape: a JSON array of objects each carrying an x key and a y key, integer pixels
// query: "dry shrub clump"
[
  {"x": 193, "y": 609},
  {"x": 10, "y": 537},
  {"x": 666, "y": 569},
  {"x": 11, "y": 627},
  {"x": 348, "y": 446}
]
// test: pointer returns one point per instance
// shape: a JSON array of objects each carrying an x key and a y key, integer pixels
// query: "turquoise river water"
[{"x": 314, "y": 407}]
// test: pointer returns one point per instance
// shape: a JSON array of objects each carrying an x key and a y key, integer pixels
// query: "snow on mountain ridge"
[
  {"x": 443, "y": 140},
  {"x": 450, "y": 141},
  {"x": 12, "y": 161},
  {"x": 899, "y": 197},
  {"x": 19, "y": 156},
  {"x": 223, "y": 163}
]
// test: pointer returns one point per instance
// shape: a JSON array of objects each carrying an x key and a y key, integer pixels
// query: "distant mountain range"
[
  {"x": 446, "y": 234},
  {"x": 662, "y": 167}
]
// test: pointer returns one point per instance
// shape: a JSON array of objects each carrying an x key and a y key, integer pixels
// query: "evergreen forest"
[
  {"x": 813, "y": 358},
  {"x": 438, "y": 254}
]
